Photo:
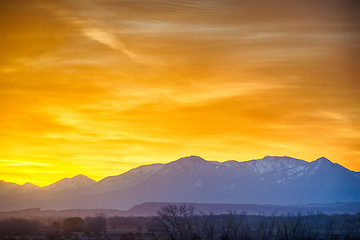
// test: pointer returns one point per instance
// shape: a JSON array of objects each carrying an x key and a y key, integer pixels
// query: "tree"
[
  {"x": 291, "y": 227},
  {"x": 177, "y": 222},
  {"x": 97, "y": 225},
  {"x": 266, "y": 226},
  {"x": 73, "y": 224},
  {"x": 235, "y": 225},
  {"x": 209, "y": 226},
  {"x": 18, "y": 227},
  {"x": 56, "y": 225},
  {"x": 330, "y": 227}
]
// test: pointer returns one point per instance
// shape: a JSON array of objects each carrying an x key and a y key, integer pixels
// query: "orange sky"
[{"x": 99, "y": 87}]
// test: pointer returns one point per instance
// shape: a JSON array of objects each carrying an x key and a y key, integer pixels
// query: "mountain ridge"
[
  {"x": 183, "y": 159},
  {"x": 270, "y": 180}
]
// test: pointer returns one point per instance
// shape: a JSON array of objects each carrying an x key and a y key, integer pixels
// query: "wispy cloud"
[
  {"x": 22, "y": 163},
  {"x": 110, "y": 83},
  {"x": 110, "y": 40}
]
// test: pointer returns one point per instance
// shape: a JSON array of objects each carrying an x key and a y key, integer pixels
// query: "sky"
[{"x": 98, "y": 87}]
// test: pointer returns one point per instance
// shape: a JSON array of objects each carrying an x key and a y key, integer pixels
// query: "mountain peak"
[
  {"x": 187, "y": 162},
  {"x": 80, "y": 176},
  {"x": 322, "y": 161},
  {"x": 321, "y": 164},
  {"x": 29, "y": 184},
  {"x": 74, "y": 182},
  {"x": 277, "y": 158},
  {"x": 191, "y": 158}
]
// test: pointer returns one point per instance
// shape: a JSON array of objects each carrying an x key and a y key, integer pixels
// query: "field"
[{"x": 181, "y": 223}]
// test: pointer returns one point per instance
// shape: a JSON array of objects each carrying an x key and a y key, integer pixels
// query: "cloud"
[
  {"x": 109, "y": 40},
  {"x": 22, "y": 163},
  {"x": 110, "y": 83}
]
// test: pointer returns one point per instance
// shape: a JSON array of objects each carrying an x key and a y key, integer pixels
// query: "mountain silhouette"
[{"x": 270, "y": 180}]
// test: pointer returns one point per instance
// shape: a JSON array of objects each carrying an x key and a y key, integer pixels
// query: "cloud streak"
[
  {"x": 98, "y": 87},
  {"x": 108, "y": 39},
  {"x": 22, "y": 163}
]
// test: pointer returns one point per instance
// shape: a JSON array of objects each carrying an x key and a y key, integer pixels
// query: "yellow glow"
[{"x": 98, "y": 88}]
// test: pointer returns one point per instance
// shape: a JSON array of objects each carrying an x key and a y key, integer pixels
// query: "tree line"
[{"x": 181, "y": 222}]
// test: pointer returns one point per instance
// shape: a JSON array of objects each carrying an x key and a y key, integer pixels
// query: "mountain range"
[{"x": 270, "y": 180}]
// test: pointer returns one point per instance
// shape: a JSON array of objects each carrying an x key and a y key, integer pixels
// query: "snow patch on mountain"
[
  {"x": 133, "y": 175},
  {"x": 270, "y": 164},
  {"x": 78, "y": 181}
]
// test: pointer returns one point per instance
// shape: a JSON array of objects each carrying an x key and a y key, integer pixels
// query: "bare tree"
[
  {"x": 266, "y": 226},
  {"x": 18, "y": 227},
  {"x": 177, "y": 221},
  {"x": 329, "y": 227},
  {"x": 73, "y": 224},
  {"x": 209, "y": 226},
  {"x": 97, "y": 225},
  {"x": 291, "y": 227},
  {"x": 100, "y": 226},
  {"x": 313, "y": 224},
  {"x": 235, "y": 225}
]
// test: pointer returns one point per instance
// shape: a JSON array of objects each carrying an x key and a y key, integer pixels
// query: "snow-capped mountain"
[
  {"x": 270, "y": 180},
  {"x": 271, "y": 164},
  {"x": 76, "y": 182}
]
